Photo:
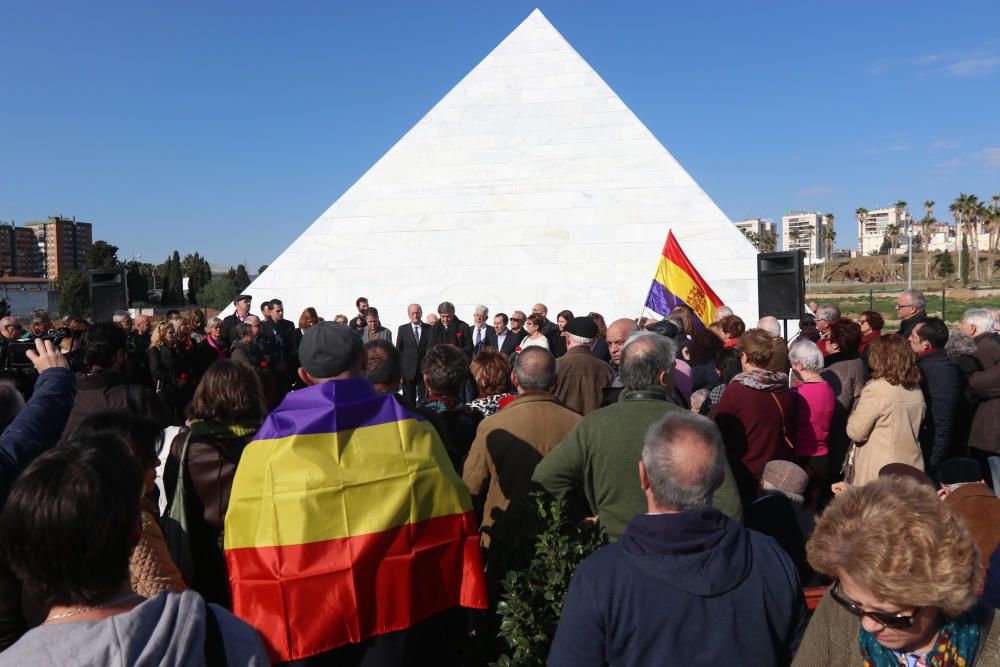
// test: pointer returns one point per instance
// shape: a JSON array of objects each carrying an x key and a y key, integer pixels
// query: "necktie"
[
  {"x": 416, "y": 332},
  {"x": 479, "y": 337}
]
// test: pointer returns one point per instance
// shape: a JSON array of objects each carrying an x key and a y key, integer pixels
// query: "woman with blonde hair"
[
  {"x": 906, "y": 577},
  {"x": 886, "y": 419},
  {"x": 164, "y": 366}
]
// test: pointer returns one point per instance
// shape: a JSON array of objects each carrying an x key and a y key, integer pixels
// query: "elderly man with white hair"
[
  {"x": 984, "y": 437},
  {"x": 483, "y": 335},
  {"x": 911, "y": 307},
  {"x": 723, "y": 311},
  {"x": 779, "y": 359}
]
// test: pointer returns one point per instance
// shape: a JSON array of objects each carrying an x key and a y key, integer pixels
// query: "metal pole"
[
  {"x": 871, "y": 302},
  {"x": 942, "y": 302}
]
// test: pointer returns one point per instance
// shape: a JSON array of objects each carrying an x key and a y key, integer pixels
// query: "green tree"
[
  {"x": 74, "y": 295},
  {"x": 964, "y": 261},
  {"x": 198, "y": 272},
  {"x": 102, "y": 255},
  {"x": 220, "y": 292},
  {"x": 171, "y": 281},
  {"x": 242, "y": 277},
  {"x": 530, "y": 607},
  {"x": 138, "y": 278},
  {"x": 944, "y": 266}
]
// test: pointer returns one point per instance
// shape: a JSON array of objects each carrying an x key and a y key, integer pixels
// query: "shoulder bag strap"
[{"x": 784, "y": 429}]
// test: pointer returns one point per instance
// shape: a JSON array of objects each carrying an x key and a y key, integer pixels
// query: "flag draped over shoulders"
[
  {"x": 677, "y": 282},
  {"x": 346, "y": 521}
]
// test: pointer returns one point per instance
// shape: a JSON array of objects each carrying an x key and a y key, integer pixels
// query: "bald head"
[
  {"x": 540, "y": 309},
  {"x": 682, "y": 462},
  {"x": 618, "y": 333},
  {"x": 770, "y": 325},
  {"x": 534, "y": 370}
]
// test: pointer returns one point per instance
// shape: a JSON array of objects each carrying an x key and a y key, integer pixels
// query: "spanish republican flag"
[
  {"x": 678, "y": 283},
  {"x": 346, "y": 521}
]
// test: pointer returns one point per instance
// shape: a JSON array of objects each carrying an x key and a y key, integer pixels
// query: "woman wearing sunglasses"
[{"x": 906, "y": 573}]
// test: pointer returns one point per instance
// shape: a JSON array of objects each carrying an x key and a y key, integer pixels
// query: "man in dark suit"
[
  {"x": 507, "y": 340},
  {"x": 411, "y": 341},
  {"x": 450, "y": 330},
  {"x": 483, "y": 335}
]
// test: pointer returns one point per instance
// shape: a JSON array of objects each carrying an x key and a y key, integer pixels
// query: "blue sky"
[{"x": 228, "y": 127}]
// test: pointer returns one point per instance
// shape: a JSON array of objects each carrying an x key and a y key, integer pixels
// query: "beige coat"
[
  {"x": 507, "y": 448},
  {"x": 884, "y": 428}
]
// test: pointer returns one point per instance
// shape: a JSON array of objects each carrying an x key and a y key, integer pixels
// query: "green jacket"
[{"x": 597, "y": 463}]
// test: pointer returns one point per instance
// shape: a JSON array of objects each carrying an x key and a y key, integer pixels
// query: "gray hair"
[
  {"x": 807, "y": 353},
  {"x": 39, "y": 315},
  {"x": 677, "y": 480},
  {"x": 535, "y": 368},
  {"x": 981, "y": 318},
  {"x": 828, "y": 312},
  {"x": 579, "y": 340},
  {"x": 121, "y": 316},
  {"x": 241, "y": 330},
  {"x": 770, "y": 325},
  {"x": 644, "y": 356},
  {"x": 916, "y": 297},
  {"x": 723, "y": 311},
  {"x": 959, "y": 344},
  {"x": 247, "y": 319},
  {"x": 995, "y": 312},
  {"x": 212, "y": 322},
  {"x": 698, "y": 398},
  {"x": 446, "y": 307},
  {"x": 486, "y": 311}
]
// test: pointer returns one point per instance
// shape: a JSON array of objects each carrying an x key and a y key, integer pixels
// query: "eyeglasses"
[
  {"x": 903, "y": 305},
  {"x": 893, "y": 621},
  {"x": 516, "y": 319}
]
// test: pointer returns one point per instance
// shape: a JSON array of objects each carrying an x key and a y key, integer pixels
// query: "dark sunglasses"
[
  {"x": 893, "y": 621},
  {"x": 516, "y": 319}
]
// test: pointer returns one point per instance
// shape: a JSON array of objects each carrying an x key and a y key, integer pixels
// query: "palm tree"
[
  {"x": 860, "y": 214},
  {"x": 979, "y": 213},
  {"x": 892, "y": 233},
  {"x": 993, "y": 229},
  {"x": 829, "y": 236},
  {"x": 769, "y": 241},
  {"x": 959, "y": 211},
  {"x": 926, "y": 232}
]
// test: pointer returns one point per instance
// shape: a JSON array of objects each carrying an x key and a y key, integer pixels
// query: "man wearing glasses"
[
  {"x": 910, "y": 306},
  {"x": 517, "y": 325}
]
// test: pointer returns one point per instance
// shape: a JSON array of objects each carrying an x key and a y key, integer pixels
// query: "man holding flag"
[{"x": 349, "y": 538}]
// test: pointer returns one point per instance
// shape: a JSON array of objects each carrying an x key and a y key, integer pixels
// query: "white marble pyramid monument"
[{"x": 530, "y": 181}]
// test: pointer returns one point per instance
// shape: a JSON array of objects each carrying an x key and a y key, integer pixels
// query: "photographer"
[{"x": 41, "y": 323}]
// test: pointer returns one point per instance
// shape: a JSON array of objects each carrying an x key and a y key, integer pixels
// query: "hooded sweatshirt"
[
  {"x": 168, "y": 629},
  {"x": 689, "y": 588}
]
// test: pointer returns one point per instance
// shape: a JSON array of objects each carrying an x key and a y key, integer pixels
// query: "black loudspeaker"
[
  {"x": 781, "y": 284},
  {"x": 107, "y": 293}
]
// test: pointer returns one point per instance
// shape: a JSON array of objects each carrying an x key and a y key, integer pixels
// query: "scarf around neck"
[
  {"x": 763, "y": 380},
  {"x": 955, "y": 646}
]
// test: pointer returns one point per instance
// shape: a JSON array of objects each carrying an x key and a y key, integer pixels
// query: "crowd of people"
[{"x": 339, "y": 493}]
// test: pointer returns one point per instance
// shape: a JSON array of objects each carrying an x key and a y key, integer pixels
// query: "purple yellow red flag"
[
  {"x": 347, "y": 521},
  {"x": 677, "y": 283}
]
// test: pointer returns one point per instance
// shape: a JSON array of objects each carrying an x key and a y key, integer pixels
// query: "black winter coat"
[{"x": 941, "y": 383}]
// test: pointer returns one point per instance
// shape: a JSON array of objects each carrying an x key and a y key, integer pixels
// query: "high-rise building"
[
  {"x": 803, "y": 230},
  {"x": 872, "y": 227},
  {"x": 19, "y": 253},
  {"x": 64, "y": 243},
  {"x": 758, "y": 231}
]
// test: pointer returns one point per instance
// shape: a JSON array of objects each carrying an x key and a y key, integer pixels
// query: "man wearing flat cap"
[
  {"x": 346, "y": 510},
  {"x": 581, "y": 377},
  {"x": 242, "y": 303}
]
